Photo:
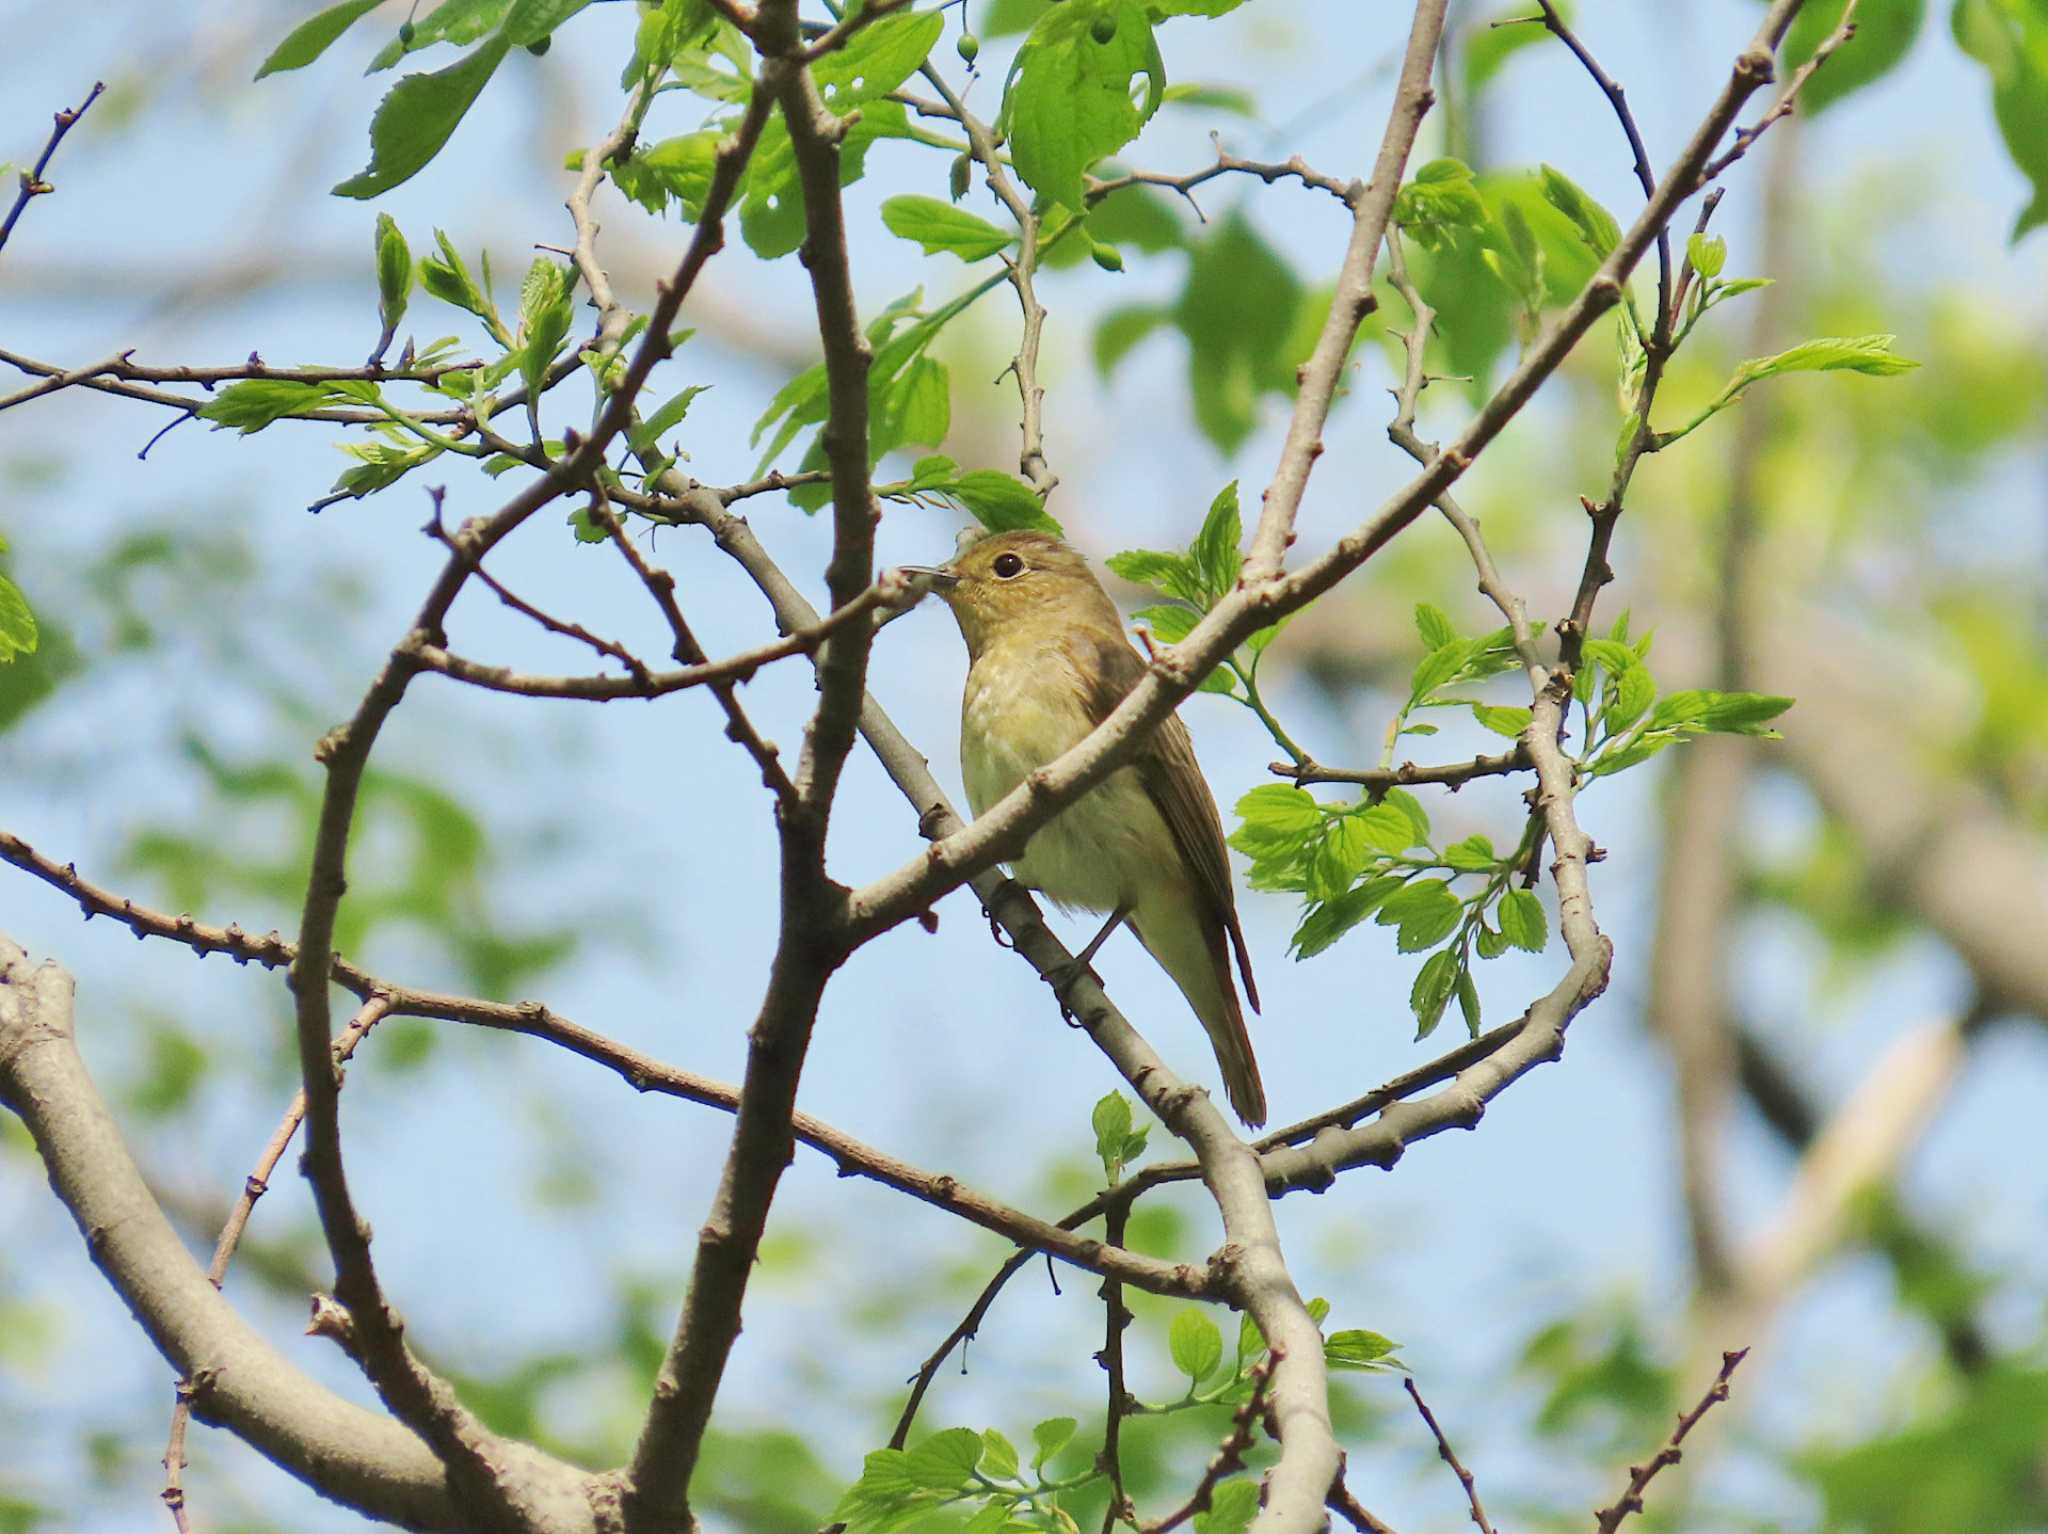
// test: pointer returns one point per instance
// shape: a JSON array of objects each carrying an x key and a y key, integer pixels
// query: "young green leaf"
[
  {"x": 1170, "y": 622},
  {"x": 940, "y": 226},
  {"x": 1425, "y": 912},
  {"x": 1327, "y": 922},
  {"x": 998, "y": 1456},
  {"x": 1474, "y": 854},
  {"x": 1830, "y": 354},
  {"x": 255, "y": 403},
  {"x": 1595, "y": 224},
  {"x": 945, "y": 1460},
  {"x": 1279, "y": 808},
  {"x": 665, "y": 420},
  {"x": 1196, "y": 1345},
  {"x": 1468, "y": 1000},
  {"x": 1435, "y": 628},
  {"x": 1708, "y": 254},
  {"x": 394, "y": 273},
  {"x": 1051, "y": 1436},
  {"x": 1502, "y": 719},
  {"x": 1173, "y": 574},
  {"x": 1214, "y": 554},
  {"x": 1232, "y": 1506},
  {"x": 1522, "y": 921},
  {"x": 1434, "y": 984},
  {"x": 1359, "y": 1350},
  {"x": 1001, "y": 502}
]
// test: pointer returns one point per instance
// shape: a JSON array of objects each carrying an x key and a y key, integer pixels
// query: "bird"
[{"x": 1048, "y": 661}]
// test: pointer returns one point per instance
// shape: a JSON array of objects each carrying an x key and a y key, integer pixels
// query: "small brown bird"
[{"x": 1047, "y": 661}]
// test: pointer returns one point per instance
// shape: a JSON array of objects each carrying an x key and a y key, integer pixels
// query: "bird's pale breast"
[{"x": 1022, "y": 708}]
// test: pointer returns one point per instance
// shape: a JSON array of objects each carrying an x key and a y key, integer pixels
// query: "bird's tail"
[{"x": 1191, "y": 946}]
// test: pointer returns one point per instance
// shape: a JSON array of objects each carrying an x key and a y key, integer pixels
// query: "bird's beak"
[{"x": 931, "y": 577}]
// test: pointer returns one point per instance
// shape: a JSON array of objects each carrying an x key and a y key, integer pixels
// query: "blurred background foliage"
[{"x": 1722, "y": 1159}]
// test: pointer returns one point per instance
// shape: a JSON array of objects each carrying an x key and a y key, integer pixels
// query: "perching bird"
[{"x": 1047, "y": 661}]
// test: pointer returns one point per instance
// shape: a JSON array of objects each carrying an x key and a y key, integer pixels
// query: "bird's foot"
[
  {"x": 1063, "y": 977},
  {"x": 995, "y": 928}
]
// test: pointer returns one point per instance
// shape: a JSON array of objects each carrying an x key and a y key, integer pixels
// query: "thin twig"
[
  {"x": 1640, "y": 1476},
  {"x": 1268, "y": 171},
  {"x": 32, "y": 182},
  {"x": 1443, "y": 1448},
  {"x": 1352, "y": 1511},
  {"x": 849, "y": 1156},
  {"x": 254, "y": 1186},
  {"x": 1744, "y": 137},
  {"x": 1645, "y": 178},
  {"x": 1451, "y": 775},
  {"x": 1229, "y": 1456},
  {"x": 1116, "y": 1317}
]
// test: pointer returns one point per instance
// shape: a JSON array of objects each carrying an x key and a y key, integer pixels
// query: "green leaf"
[
  {"x": 1068, "y": 100},
  {"x": 417, "y": 116},
  {"x": 1425, "y": 911},
  {"x": 938, "y": 226},
  {"x": 18, "y": 634},
  {"x": 2010, "y": 39},
  {"x": 1409, "y": 805},
  {"x": 311, "y": 37},
  {"x": 1438, "y": 667},
  {"x": 447, "y": 278},
  {"x": 453, "y": 21},
  {"x": 1522, "y": 921},
  {"x": 1174, "y": 574},
  {"x": 394, "y": 272},
  {"x": 255, "y": 403},
  {"x": 1051, "y": 1436},
  {"x": 1280, "y": 808},
  {"x": 1239, "y": 352},
  {"x": 1387, "y": 827},
  {"x": 665, "y": 420},
  {"x": 545, "y": 313},
  {"x": 1829, "y": 354},
  {"x": 1441, "y": 206},
  {"x": 1502, "y": 719},
  {"x": 1434, "y": 626},
  {"x": 1468, "y": 1000},
  {"x": 533, "y": 21},
  {"x": 998, "y": 1456},
  {"x": 1885, "y": 30},
  {"x": 1708, "y": 254},
  {"x": 1170, "y": 622},
  {"x": 1111, "y": 1122},
  {"x": 1327, "y": 922},
  {"x": 1121, "y": 329},
  {"x": 1641, "y": 750},
  {"x": 944, "y": 1461},
  {"x": 1634, "y": 691},
  {"x": 1232, "y": 1506},
  {"x": 877, "y": 59},
  {"x": 677, "y": 169},
  {"x": 1433, "y": 988},
  {"x": 1196, "y": 1344},
  {"x": 1596, "y": 226},
  {"x": 1001, "y": 502},
  {"x": 1214, "y": 553},
  {"x": 1358, "y": 1350},
  {"x": 1474, "y": 854},
  {"x": 1491, "y": 944}
]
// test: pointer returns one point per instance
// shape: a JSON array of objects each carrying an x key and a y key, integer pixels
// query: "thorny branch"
[
  {"x": 32, "y": 184},
  {"x": 1640, "y": 1476},
  {"x": 1450, "y": 1457}
]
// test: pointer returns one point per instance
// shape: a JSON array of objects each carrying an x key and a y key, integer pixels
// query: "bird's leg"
[
  {"x": 1064, "y": 974},
  {"x": 995, "y": 928}
]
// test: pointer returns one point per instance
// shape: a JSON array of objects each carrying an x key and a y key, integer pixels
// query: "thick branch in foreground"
[{"x": 239, "y": 1381}]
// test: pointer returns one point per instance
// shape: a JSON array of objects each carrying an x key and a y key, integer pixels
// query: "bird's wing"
[{"x": 1109, "y": 668}]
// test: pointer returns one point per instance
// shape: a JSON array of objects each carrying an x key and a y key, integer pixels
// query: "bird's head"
[{"x": 1021, "y": 581}]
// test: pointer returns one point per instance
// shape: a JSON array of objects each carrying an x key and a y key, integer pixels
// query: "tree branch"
[
  {"x": 238, "y": 1380},
  {"x": 1640, "y": 1476},
  {"x": 1449, "y": 1457},
  {"x": 32, "y": 182}
]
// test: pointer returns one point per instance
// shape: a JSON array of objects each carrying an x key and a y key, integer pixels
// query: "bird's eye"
[{"x": 1008, "y": 567}]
